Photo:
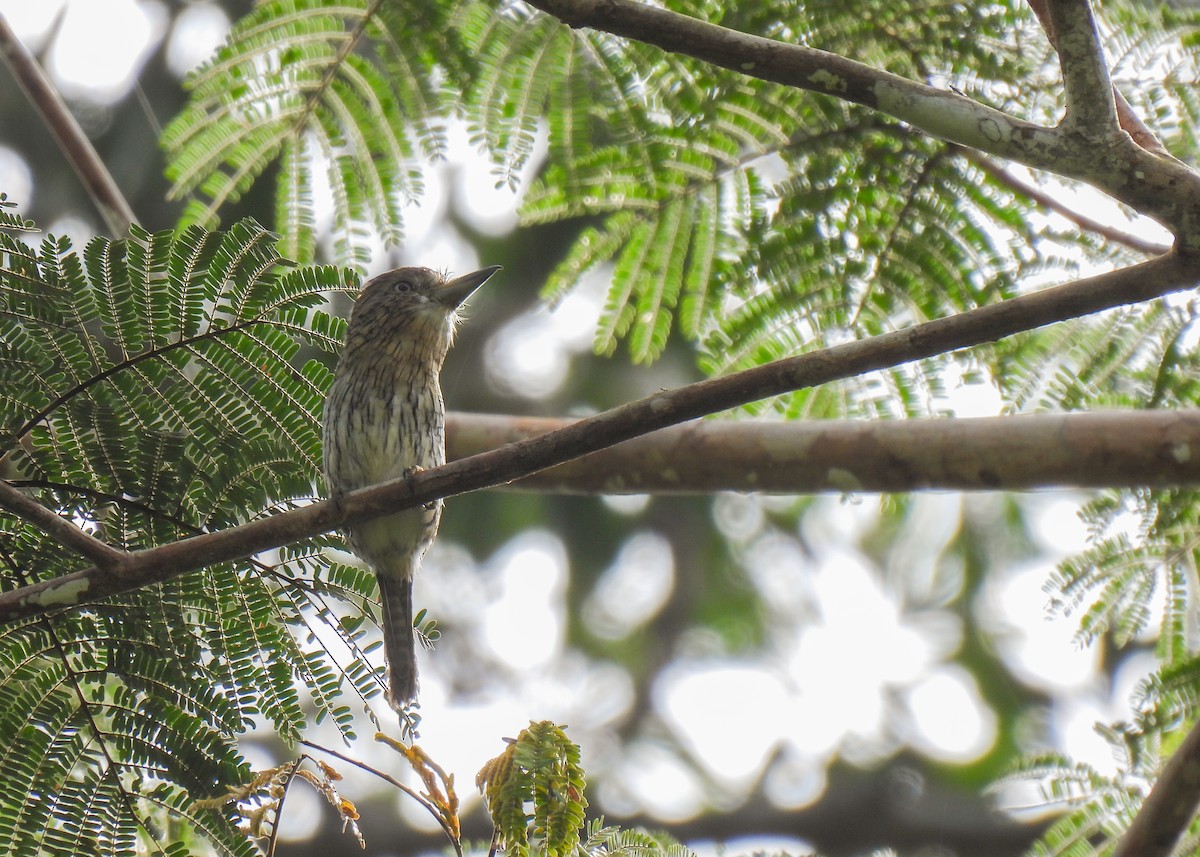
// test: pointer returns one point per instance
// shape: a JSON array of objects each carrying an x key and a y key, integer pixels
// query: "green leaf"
[{"x": 153, "y": 389}]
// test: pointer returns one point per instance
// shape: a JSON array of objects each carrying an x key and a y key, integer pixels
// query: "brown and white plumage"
[{"x": 384, "y": 417}]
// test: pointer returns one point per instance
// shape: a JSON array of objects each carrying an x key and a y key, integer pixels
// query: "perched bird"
[{"x": 385, "y": 419}]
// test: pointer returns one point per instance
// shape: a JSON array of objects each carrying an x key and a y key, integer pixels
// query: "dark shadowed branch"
[{"x": 903, "y": 804}]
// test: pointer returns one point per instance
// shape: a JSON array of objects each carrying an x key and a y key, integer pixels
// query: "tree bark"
[{"x": 1117, "y": 449}]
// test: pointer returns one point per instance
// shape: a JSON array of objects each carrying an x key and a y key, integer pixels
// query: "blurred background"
[{"x": 772, "y": 672}]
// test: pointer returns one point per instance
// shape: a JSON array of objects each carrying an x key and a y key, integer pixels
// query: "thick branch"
[
  {"x": 1091, "y": 108},
  {"x": 1143, "y": 282},
  {"x": 1170, "y": 806},
  {"x": 1130, "y": 122},
  {"x": 1088, "y": 450},
  {"x": 75, "y": 145},
  {"x": 61, "y": 530},
  {"x": 1157, "y": 186},
  {"x": 942, "y": 113}
]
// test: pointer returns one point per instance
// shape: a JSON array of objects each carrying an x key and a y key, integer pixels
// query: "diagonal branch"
[
  {"x": 61, "y": 530},
  {"x": 941, "y": 113},
  {"x": 1047, "y": 201},
  {"x": 1164, "y": 275},
  {"x": 75, "y": 145},
  {"x": 1129, "y": 121},
  {"x": 1156, "y": 186},
  {"x": 1091, "y": 108},
  {"x": 1170, "y": 806}
]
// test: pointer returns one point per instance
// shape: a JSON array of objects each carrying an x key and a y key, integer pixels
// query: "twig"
[
  {"x": 387, "y": 778},
  {"x": 61, "y": 530},
  {"x": 390, "y": 780},
  {"x": 273, "y": 841},
  {"x": 1044, "y": 199},
  {"x": 1170, "y": 806},
  {"x": 1166, "y": 274},
  {"x": 75, "y": 145}
]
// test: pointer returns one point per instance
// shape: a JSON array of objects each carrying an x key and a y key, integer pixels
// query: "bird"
[{"x": 384, "y": 419}]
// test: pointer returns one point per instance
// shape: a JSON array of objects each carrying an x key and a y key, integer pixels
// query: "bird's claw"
[{"x": 409, "y": 473}]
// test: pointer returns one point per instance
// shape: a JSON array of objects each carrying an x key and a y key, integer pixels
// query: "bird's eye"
[{"x": 404, "y": 286}]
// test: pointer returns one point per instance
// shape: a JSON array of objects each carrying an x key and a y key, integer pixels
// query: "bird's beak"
[{"x": 453, "y": 292}]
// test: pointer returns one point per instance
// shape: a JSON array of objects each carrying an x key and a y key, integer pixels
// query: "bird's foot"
[
  {"x": 409, "y": 473},
  {"x": 337, "y": 497}
]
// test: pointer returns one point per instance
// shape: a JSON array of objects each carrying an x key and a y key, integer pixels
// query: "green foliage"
[
  {"x": 1134, "y": 583},
  {"x": 1101, "y": 806},
  {"x": 152, "y": 389},
  {"x": 601, "y": 841},
  {"x": 534, "y": 793},
  {"x": 346, "y": 89},
  {"x": 9, "y": 219},
  {"x": 1144, "y": 551},
  {"x": 753, "y": 219}
]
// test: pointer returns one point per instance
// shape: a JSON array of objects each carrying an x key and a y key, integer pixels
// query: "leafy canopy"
[
  {"x": 152, "y": 390},
  {"x": 169, "y": 383}
]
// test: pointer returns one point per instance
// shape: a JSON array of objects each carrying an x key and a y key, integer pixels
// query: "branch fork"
[{"x": 1088, "y": 145}]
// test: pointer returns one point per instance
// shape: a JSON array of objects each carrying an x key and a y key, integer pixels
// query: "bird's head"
[
  {"x": 420, "y": 289},
  {"x": 413, "y": 302}
]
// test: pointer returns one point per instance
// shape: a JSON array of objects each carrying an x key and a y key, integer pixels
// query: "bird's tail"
[{"x": 399, "y": 643}]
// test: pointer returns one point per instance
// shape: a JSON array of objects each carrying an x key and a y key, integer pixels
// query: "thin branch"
[
  {"x": 1117, "y": 449},
  {"x": 1091, "y": 108},
  {"x": 1047, "y": 201},
  {"x": 61, "y": 530},
  {"x": 456, "y": 841},
  {"x": 273, "y": 840},
  {"x": 76, "y": 147},
  {"x": 117, "y": 368},
  {"x": 1156, "y": 186},
  {"x": 387, "y": 778},
  {"x": 1164, "y": 275},
  {"x": 1133, "y": 125},
  {"x": 1170, "y": 806}
]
